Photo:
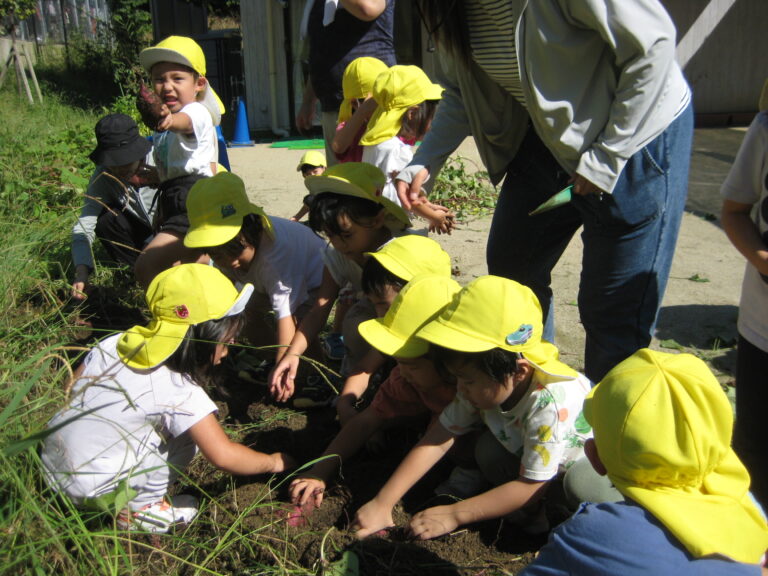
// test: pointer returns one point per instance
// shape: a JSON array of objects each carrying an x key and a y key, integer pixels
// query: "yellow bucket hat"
[
  {"x": 494, "y": 312},
  {"x": 395, "y": 90},
  {"x": 216, "y": 207},
  {"x": 412, "y": 254},
  {"x": 183, "y": 50},
  {"x": 312, "y": 158},
  {"x": 417, "y": 303},
  {"x": 357, "y": 82},
  {"x": 662, "y": 427},
  {"x": 178, "y": 298},
  {"x": 361, "y": 180}
]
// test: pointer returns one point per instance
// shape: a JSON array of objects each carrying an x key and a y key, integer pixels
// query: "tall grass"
[{"x": 44, "y": 170}]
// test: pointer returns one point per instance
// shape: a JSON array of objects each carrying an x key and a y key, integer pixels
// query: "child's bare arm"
[
  {"x": 286, "y": 330},
  {"x": 744, "y": 234},
  {"x": 345, "y": 445},
  {"x": 495, "y": 503},
  {"x": 356, "y": 384},
  {"x": 377, "y": 514},
  {"x": 345, "y": 137},
  {"x": 179, "y": 122},
  {"x": 231, "y": 456},
  {"x": 300, "y": 214}
]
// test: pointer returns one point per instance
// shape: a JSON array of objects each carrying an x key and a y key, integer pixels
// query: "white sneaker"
[
  {"x": 463, "y": 483},
  {"x": 161, "y": 516}
]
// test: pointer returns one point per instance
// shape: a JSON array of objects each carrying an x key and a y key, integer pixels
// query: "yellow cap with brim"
[
  {"x": 312, "y": 158},
  {"x": 357, "y": 82},
  {"x": 216, "y": 207},
  {"x": 178, "y": 298},
  {"x": 396, "y": 90},
  {"x": 183, "y": 50},
  {"x": 494, "y": 312},
  {"x": 417, "y": 303},
  {"x": 413, "y": 254},
  {"x": 361, "y": 180},
  {"x": 662, "y": 427}
]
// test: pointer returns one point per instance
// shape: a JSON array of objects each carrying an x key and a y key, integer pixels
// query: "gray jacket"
[{"x": 600, "y": 82}]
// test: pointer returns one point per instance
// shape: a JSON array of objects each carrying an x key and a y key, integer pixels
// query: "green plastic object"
[
  {"x": 562, "y": 197},
  {"x": 314, "y": 144},
  {"x": 347, "y": 565}
]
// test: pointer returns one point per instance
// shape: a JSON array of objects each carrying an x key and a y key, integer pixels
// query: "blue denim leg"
[
  {"x": 526, "y": 248},
  {"x": 629, "y": 241}
]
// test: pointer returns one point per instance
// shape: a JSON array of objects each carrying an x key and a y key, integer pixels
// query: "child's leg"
[
  {"x": 751, "y": 428},
  {"x": 582, "y": 483},
  {"x": 161, "y": 253},
  {"x": 122, "y": 237}
]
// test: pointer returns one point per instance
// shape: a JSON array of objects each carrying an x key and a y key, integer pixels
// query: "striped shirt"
[{"x": 491, "y": 26}]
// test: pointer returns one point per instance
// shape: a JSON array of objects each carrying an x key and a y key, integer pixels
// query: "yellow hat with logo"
[
  {"x": 494, "y": 312},
  {"x": 413, "y": 254},
  {"x": 417, "y": 303},
  {"x": 396, "y": 90},
  {"x": 185, "y": 51},
  {"x": 361, "y": 180},
  {"x": 662, "y": 427},
  {"x": 216, "y": 207},
  {"x": 178, "y": 298},
  {"x": 312, "y": 158},
  {"x": 357, "y": 82}
]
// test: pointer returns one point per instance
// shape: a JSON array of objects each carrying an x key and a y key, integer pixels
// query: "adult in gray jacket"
[
  {"x": 555, "y": 93},
  {"x": 118, "y": 204}
]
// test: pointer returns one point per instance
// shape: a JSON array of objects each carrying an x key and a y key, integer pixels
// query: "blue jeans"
[{"x": 629, "y": 239}]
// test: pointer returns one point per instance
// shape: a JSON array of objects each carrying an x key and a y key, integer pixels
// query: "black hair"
[
  {"x": 497, "y": 363},
  {"x": 250, "y": 232},
  {"x": 446, "y": 24},
  {"x": 376, "y": 278},
  {"x": 417, "y": 126},
  {"x": 326, "y": 208},
  {"x": 193, "y": 357}
]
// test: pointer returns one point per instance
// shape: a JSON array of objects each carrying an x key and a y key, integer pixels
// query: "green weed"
[{"x": 467, "y": 193}]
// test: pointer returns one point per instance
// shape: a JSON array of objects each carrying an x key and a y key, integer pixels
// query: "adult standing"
[
  {"x": 340, "y": 31},
  {"x": 587, "y": 93}
]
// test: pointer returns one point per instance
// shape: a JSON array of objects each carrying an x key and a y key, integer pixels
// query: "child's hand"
[
  {"x": 304, "y": 489},
  {"x": 442, "y": 220},
  {"x": 372, "y": 518},
  {"x": 166, "y": 120},
  {"x": 281, "y": 379},
  {"x": 282, "y": 462},
  {"x": 434, "y": 522}
]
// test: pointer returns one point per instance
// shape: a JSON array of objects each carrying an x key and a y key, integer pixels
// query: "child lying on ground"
[
  {"x": 662, "y": 433},
  {"x": 279, "y": 257},
  {"x": 414, "y": 387},
  {"x": 509, "y": 383},
  {"x": 139, "y": 413}
]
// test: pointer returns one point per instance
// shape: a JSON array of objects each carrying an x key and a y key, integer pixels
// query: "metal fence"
[{"x": 56, "y": 21}]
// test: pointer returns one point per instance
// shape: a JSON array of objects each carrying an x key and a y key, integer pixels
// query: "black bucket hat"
[{"x": 118, "y": 141}]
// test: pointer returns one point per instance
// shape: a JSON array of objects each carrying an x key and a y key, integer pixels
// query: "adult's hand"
[
  {"x": 306, "y": 114},
  {"x": 410, "y": 193},
  {"x": 584, "y": 187}
]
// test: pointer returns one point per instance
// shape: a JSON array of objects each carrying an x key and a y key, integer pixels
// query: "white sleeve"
[{"x": 745, "y": 179}]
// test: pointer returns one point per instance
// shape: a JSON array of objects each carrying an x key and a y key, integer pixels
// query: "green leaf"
[
  {"x": 347, "y": 565},
  {"x": 697, "y": 278},
  {"x": 671, "y": 344}
]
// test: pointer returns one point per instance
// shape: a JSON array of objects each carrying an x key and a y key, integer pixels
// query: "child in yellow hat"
[
  {"x": 185, "y": 145},
  {"x": 139, "y": 413},
  {"x": 280, "y": 258},
  {"x": 407, "y": 101},
  {"x": 356, "y": 108},
  {"x": 662, "y": 433},
  {"x": 414, "y": 388},
  {"x": 511, "y": 385},
  {"x": 312, "y": 163}
]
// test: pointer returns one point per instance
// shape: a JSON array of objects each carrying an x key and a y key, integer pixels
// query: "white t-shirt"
[
  {"x": 747, "y": 183},
  {"x": 122, "y": 422},
  {"x": 287, "y": 268},
  {"x": 545, "y": 429},
  {"x": 390, "y": 157},
  {"x": 186, "y": 154}
]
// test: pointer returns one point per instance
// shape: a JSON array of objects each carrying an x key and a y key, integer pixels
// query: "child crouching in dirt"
[
  {"x": 511, "y": 385},
  {"x": 139, "y": 413},
  {"x": 385, "y": 273},
  {"x": 407, "y": 101},
  {"x": 280, "y": 258},
  {"x": 662, "y": 433},
  {"x": 413, "y": 389}
]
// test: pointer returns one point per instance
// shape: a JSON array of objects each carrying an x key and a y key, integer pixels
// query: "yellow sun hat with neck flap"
[
  {"x": 662, "y": 427},
  {"x": 216, "y": 207},
  {"x": 178, "y": 298},
  {"x": 357, "y": 82}
]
